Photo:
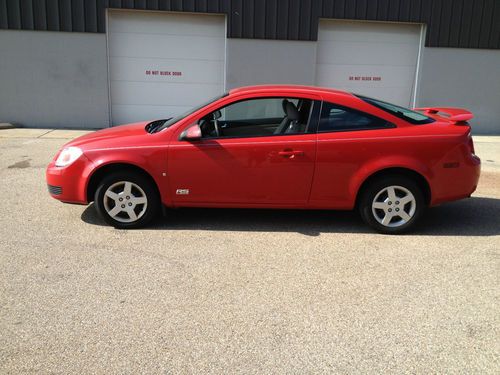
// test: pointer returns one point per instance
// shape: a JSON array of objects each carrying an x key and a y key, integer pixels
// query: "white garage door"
[
  {"x": 161, "y": 64},
  {"x": 370, "y": 58}
]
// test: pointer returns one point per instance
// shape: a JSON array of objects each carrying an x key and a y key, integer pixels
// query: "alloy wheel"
[
  {"x": 125, "y": 201},
  {"x": 394, "y": 206}
]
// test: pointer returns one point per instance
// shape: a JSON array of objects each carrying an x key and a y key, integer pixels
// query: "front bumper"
[
  {"x": 68, "y": 184},
  {"x": 54, "y": 190}
]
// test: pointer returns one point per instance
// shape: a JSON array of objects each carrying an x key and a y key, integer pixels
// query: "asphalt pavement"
[{"x": 242, "y": 291}]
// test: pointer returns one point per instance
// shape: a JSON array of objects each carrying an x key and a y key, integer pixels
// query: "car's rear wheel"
[
  {"x": 127, "y": 200},
  {"x": 392, "y": 204}
]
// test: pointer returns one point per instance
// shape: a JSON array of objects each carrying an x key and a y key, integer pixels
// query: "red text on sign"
[
  {"x": 163, "y": 73},
  {"x": 365, "y": 78}
]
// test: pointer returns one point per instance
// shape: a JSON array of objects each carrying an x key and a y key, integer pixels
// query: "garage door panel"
[
  {"x": 128, "y": 114},
  {"x": 371, "y": 58},
  {"x": 157, "y": 93},
  {"x": 345, "y": 75},
  {"x": 369, "y": 32},
  {"x": 191, "y": 71},
  {"x": 163, "y": 63},
  {"x": 154, "y": 23},
  {"x": 389, "y": 94},
  {"x": 356, "y": 53},
  {"x": 160, "y": 46}
]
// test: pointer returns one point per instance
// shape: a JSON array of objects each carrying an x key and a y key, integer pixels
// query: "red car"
[{"x": 275, "y": 147}]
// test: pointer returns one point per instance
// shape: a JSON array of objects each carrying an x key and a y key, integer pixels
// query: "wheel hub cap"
[
  {"x": 125, "y": 201},
  {"x": 394, "y": 206}
]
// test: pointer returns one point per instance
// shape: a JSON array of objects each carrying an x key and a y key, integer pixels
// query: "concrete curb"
[
  {"x": 7, "y": 125},
  {"x": 486, "y": 138},
  {"x": 42, "y": 133}
]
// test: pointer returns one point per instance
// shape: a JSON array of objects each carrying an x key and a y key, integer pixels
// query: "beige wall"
[
  {"x": 465, "y": 78},
  {"x": 53, "y": 79},
  {"x": 257, "y": 61}
]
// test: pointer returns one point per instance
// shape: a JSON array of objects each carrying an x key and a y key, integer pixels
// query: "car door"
[{"x": 251, "y": 154}]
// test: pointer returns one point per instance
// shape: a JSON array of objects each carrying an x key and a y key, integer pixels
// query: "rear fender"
[{"x": 372, "y": 167}]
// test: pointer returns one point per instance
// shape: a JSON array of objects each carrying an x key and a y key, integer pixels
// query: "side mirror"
[
  {"x": 217, "y": 115},
  {"x": 193, "y": 133}
]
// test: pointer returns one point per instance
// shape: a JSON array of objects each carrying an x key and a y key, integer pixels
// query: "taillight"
[{"x": 471, "y": 145}]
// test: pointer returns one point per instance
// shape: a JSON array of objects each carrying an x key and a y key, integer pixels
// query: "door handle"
[{"x": 290, "y": 153}]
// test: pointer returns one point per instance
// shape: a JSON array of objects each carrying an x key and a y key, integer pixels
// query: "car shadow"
[{"x": 475, "y": 216}]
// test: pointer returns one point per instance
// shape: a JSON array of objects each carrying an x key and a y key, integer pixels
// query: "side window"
[
  {"x": 256, "y": 109},
  {"x": 258, "y": 117},
  {"x": 338, "y": 118}
]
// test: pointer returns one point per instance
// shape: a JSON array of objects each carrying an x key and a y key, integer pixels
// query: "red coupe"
[{"x": 275, "y": 147}]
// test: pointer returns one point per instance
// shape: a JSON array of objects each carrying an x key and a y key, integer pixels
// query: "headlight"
[{"x": 68, "y": 156}]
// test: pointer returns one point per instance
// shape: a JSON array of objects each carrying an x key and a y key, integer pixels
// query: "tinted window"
[
  {"x": 255, "y": 109},
  {"x": 258, "y": 117},
  {"x": 403, "y": 113},
  {"x": 338, "y": 118}
]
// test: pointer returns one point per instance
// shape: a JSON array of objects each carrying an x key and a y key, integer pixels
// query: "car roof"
[{"x": 297, "y": 88}]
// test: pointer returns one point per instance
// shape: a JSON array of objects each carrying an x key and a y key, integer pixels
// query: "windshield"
[
  {"x": 173, "y": 120},
  {"x": 406, "y": 114}
]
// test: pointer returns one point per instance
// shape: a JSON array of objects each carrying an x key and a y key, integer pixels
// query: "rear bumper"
[
  {"x": 68, "y": 184},
  {"x": 457, "y": 183}
]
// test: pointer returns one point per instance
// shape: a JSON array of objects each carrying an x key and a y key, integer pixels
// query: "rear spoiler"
[{"x": 456, "y": 115}]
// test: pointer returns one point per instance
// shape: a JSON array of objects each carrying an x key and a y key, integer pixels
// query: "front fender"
[{"x": 152, "y": 160}]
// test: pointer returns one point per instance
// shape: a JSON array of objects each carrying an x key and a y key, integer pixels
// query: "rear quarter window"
[{"x": 338, "y": 118}]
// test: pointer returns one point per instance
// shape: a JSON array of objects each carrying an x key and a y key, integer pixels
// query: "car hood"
[{"x": 118, "y": 136}]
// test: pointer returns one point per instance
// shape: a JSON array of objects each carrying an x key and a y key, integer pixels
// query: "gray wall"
[
  {"x": 60, "y": 80},
  {"x": 465, "y": 78},
  {"x": 258, "y": 61},
  {"x": 53, "y": 79}
]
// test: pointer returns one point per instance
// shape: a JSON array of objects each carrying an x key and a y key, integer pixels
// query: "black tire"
[
  {"x": 140, "y": 186},
  {"x": 397, "y": 225}
]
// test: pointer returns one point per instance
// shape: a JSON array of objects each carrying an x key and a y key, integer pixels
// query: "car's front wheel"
[
  {"x": 127, "y": 200},
  {"x": 392, "y": 204}
]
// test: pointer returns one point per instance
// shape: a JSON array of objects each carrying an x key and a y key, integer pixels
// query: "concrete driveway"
[{"x": 236, "y": 291}]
